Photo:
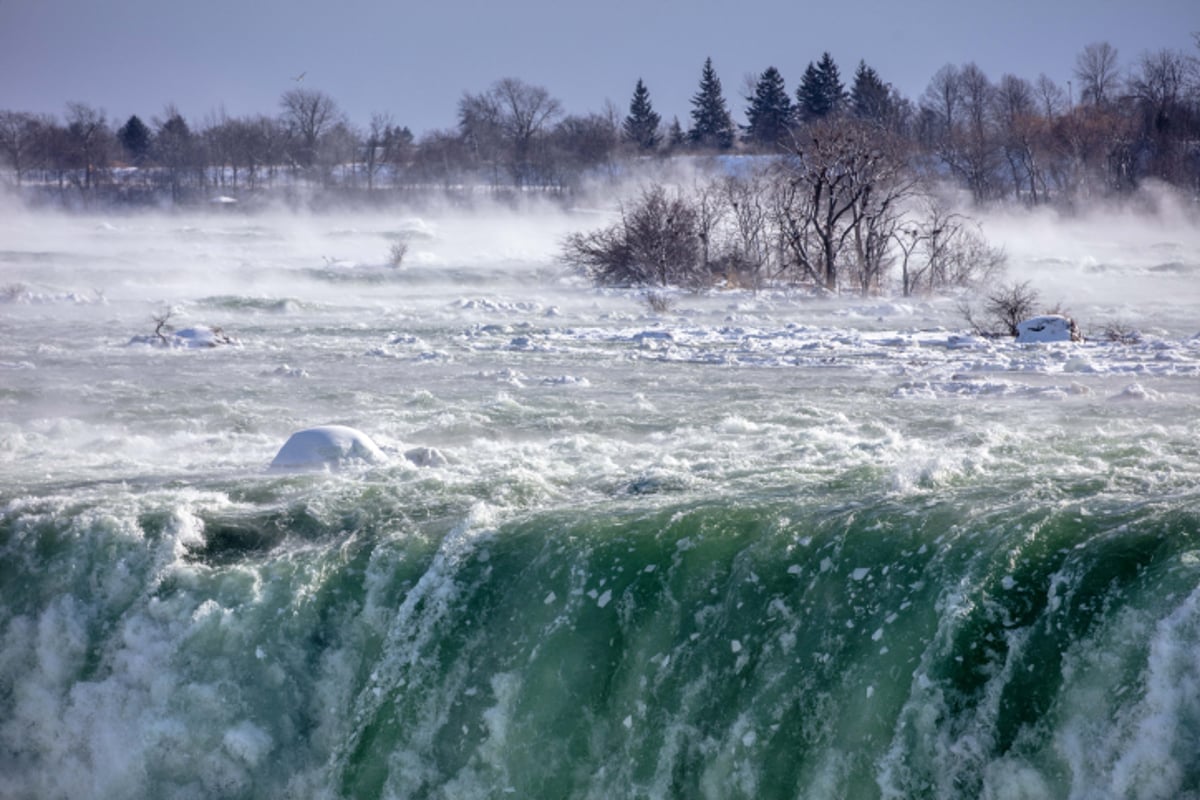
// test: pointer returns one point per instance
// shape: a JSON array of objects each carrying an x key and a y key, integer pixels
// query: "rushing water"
[{"x": 760, "y": 546}]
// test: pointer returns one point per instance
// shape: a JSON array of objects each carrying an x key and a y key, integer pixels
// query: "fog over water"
[{"x": 761, "y": 545}]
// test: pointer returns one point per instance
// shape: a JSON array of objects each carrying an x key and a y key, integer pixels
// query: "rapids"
[{"x": 761, "y": 545}]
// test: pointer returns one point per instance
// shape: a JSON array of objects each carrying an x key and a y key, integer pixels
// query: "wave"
[{"x": 356, "y": 642}]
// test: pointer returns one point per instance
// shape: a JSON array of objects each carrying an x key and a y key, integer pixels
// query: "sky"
[{"x": 414, "y": 60}]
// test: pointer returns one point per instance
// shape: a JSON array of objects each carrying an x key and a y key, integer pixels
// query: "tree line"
[{"x": 1112, "y": 128}]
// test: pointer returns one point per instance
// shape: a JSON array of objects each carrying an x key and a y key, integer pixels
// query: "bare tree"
[
  {"x": 1160, "y": 87},
  {"x": 974, "y": 153},
  {"x": 257, "y": 145},
  {"x": 944, "y": 249},
  {"x": 577, "y": 145},
  {"x": 175, "y": 150},
  {"x": 375, "y": 146},
  {"x": 943, "y": 99},
  {"x": 89, "y": 140},
  {"x": 307, "y": 115},
  {"x": 338, "y": 147},
  {"x": 752, "y": 245},
  {"x": 878, "y": 216},
  {"x": 710, "y": 213},
  {"x": 1050, "y": 97},
  {"x": 441, "y": 157},
  {"x": 1020, "y": 129},
  {"x": 21, "y": 135},
  {"x": 506, "y": 122},
  {"x": 840, "y": 184},
  {"x": 1160, "y": 84},
  {"x": 220, "y": 136},
  {"x": 1096, "y": 70},
  {"x": 958, "y": 128},
  {"x": 525, "y": 111}
]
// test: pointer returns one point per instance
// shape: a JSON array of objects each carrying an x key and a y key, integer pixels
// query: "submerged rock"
[
  {"x": 327, "y": 447},
  {"x": 1048, "y": 328}
]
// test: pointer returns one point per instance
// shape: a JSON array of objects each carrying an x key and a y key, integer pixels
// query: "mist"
[
  {"x": 774, "y": 523},
  {"x": 1138, "y": 263}
]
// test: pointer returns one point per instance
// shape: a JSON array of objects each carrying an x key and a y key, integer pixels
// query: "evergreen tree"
[
  {"x": 870, "y": 98},
  {"x": 821, "y": 92},
  {"x": 675, "y": 135},
  {"x": 770, "y": 112},
  {"x": 641, "y": 126},
  {"x": 134, "y": 137},
  {"x": 711, "y": 124}
]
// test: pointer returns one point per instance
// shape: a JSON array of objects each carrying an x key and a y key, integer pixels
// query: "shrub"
[
  {"x": 659, "y": 302},
  {"x": 1003, "y": 309},
  {"x": 397, "y": 252},
  {"x": 655, "y": 243}
]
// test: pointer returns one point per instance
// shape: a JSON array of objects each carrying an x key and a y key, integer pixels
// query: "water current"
[{"x": 760, "y": 545}]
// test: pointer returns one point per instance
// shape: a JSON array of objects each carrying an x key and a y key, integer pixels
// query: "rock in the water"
[
  {"x": 426, "y": 457},
  {"x": 203, "y": 336},
  {"x": 185, "y": 338},
  {"x": 1048, "y": 328},
  {"x": 327, "y": 447}
]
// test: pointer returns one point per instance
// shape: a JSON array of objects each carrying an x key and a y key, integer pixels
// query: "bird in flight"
[{"x": 300, "y": 77}]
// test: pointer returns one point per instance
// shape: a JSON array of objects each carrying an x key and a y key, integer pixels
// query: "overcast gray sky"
[{"x": 414, "y": 60}]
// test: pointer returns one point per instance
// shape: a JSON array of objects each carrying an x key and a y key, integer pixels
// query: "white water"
[
  {"x": 542, "y": 393},
  {"x": 480, "y": 323}
]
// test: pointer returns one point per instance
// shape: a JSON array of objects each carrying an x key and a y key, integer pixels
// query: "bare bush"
[
  {"x": 1004, "y": 308},
  {"x": 942, "y": 249},
  {"x": 397, "y": 252},
  {"x": 655, "y": 243},
  {"x": 659, "y": 302},
  {"x": 1121, "y": 332}
]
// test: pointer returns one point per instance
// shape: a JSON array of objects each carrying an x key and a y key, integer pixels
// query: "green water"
[{"x": 974, "y": 644}]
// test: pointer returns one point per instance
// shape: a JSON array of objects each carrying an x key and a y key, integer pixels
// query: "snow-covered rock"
[
  {"x": 327, "y": 447},
  {"x": 1135, "y": 392},
  {"x": 1048, "y": 328},
  {"x": 188, "y": 338},
  {"x": 426, "y": 457},
  {"x": 203, "y": 336}
]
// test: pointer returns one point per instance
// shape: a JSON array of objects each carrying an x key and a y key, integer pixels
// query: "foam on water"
[{"x": 767, "y": 545}]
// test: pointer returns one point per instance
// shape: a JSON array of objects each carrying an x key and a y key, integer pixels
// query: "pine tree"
[
  {"x": 870, "y": 98},
  {"x": 821, "y": 92},
  {"x": 711, "y": 124},
  {"x": 641, "y": 126},
  {"x": 675, "y": 135},
  {"x": 134, "y": 137},
  {"x": 770, "y": 112}
]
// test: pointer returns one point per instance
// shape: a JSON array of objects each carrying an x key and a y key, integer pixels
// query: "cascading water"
[{"x": 760, "y": 546}]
